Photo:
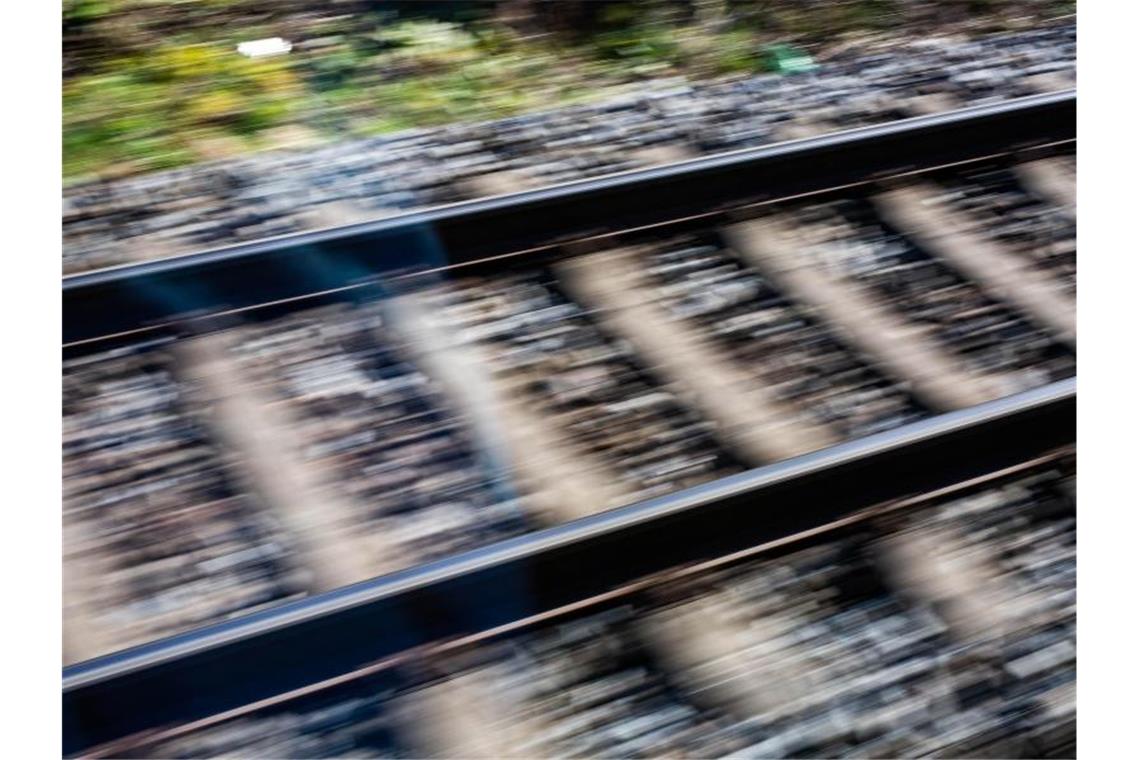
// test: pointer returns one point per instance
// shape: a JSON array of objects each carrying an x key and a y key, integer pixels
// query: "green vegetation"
[
  {"x": 153, "y": 84},
  {"x": 156, "y": 110}
]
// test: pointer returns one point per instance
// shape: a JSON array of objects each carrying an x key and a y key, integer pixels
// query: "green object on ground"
[{"x": 786, "y": 59}]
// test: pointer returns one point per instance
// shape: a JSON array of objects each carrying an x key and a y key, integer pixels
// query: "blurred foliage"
[
  {"x": 147, "y": 111},
  {"x": 152, "y": 84}
]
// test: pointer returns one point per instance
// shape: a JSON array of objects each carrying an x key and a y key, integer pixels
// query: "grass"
[{"x": 155, "y": 93}]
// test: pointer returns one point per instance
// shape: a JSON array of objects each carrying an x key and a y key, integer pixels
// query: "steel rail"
[
  {"x": 152, "y": 295},
  {"x": 650, "y": 584},
  {"x": 279, "y": 650}
]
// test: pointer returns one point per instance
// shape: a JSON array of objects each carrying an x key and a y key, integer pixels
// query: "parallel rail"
[
  {"x": 226, "y": 666},
  {"x": 645, "y": 589},
  {"x": 155, "y": 295}
]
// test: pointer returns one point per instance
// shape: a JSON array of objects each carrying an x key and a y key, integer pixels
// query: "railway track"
[{"x": 449, "y": 428}]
